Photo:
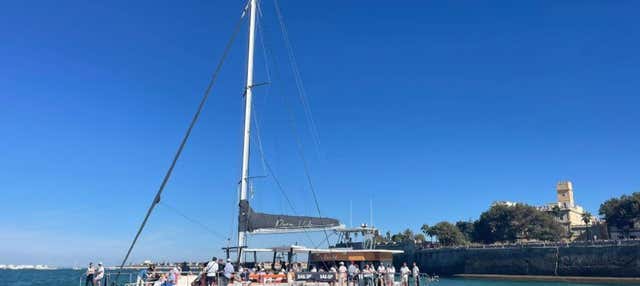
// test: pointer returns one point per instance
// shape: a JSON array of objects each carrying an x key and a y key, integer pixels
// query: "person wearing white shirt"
[
  {"x": 382, "y": 271},
  {"x": 404, "y": 274},
  {"x": 416, "y": 274},
  {"x": 342, "y": 274},
  {"x": 352, "y": 273},
  {"x": 391, "y": 271},
  {"x": 333, "y": 270},
  {"x": 172, "y": 277},
  {"x": 97, "y": 280},
  {"x": 212, "y": 271},
  {"x": 228, "y": 271}
]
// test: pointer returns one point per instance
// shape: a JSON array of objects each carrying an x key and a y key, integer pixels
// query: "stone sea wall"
[{"x": 604, "y": 261}]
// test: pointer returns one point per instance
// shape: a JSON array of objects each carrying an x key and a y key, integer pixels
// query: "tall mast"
[{"x": 244, "y": 181}]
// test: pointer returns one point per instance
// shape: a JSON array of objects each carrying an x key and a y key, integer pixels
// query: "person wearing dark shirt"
[{"x": 91, "y": 271}]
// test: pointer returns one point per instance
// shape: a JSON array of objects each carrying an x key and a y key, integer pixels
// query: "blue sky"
[{"x": 430, "y": 109}]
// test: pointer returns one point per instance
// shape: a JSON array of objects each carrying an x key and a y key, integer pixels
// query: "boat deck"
[{"x": 186, "y": 280}]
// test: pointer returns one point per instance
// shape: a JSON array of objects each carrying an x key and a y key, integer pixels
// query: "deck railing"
[{"x": 131, "y": 279}]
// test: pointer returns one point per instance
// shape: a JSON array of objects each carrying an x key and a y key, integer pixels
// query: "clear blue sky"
[{"x": 431, "y": 109}]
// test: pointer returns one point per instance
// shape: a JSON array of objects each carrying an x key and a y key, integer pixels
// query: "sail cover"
[{"x": 253, "y": 222}]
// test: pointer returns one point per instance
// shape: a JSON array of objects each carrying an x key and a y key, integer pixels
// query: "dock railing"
[{"x": 110, "y": 279}]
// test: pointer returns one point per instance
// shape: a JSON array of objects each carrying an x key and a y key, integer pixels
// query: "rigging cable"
[
  {"x": 260, "y": 29},
  {"x": 307, "y": 108},
  {"x": 278, "y": 184},
  {"x": 192, "y": 220},
  {"x": 232, "y": 216},
  {"x": 292, "y": 121},
  {"x": 156, "y": 199},
  {"x": 259, "y": 140},
  {"x": 298, "y": 79},
  {"x": 294, "y": 130}
]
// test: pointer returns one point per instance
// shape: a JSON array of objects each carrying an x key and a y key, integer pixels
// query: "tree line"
[
  {"x": 511, "y": 223},
  {"x": 622, "y": 212}
]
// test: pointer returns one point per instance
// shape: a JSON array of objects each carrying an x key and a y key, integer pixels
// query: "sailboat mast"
[{"x": 247, "y": 115}]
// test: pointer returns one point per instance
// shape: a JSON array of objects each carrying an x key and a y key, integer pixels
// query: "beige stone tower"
[{"x": 565, "y": 194}]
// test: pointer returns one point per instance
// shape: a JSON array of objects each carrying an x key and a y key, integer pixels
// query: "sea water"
[
  {"x": 60, "y": 277},
  {"x": 68, "y": 277}
]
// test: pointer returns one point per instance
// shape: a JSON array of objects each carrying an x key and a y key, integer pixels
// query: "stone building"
[{"x": 567, "y": 212}]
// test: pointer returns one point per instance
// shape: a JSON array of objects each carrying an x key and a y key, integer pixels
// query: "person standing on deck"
[
  {"x": 391, "y": 272},
  {"x": 382, "y": 273},
  {"x": 404, "y": 273},
  {"x": 352, "y": 273},
  {"x": 212, "y": 271},
  {"x": 240, "y": 272},
  {"x": 416, "y": 274},
  {"x": 97, "y": 280},
  {"x": 342, "y": 274},
  {"x": 178, "y": 272},
  {"x": 171, "y": 277},
  {"x": 367, "y": 275},
  {"x": 143, "y": 276},
  {"x": 220, "y": 280},
  {"x": 89, "y": 274},
  {"x": 228, "y": 272},
  {"x": 333, "y": 270}
]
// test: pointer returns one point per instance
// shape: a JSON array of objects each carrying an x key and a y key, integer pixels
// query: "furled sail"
[{"x": 253, "y": 222}]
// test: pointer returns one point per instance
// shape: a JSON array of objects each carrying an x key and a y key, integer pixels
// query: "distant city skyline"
[{"x": 430, "y": 110}]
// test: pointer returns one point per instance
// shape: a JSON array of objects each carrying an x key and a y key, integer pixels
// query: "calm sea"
[{"x": 72, "y": 278}]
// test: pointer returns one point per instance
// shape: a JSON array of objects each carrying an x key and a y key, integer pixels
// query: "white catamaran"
[{"x": 252, "y": 222}]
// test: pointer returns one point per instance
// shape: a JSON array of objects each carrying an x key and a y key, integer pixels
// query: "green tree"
[
  {"x": 419, "y": 238},
  {"x": 426, "y": 229},
  {"x": 466, "y": 227},
  {"x": 407, "y": 235},
  {"x": 396, "y": 237},
  {"x": 502, "y": 223},
  {"x": 448, "y": 234},
  {"x": 622, "y": 212},
  {"x": 404, "y": 236}
]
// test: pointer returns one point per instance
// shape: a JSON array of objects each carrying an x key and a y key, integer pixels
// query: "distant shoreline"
[{"x": 545, "y": 278}]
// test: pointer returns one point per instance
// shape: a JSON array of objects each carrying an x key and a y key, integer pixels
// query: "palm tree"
[
  {"x": 407, "y": 235},
  {"x": 427, "y": 231},
  {"x": 586, "y": 218},
  {"x": 424, "y": 228}
]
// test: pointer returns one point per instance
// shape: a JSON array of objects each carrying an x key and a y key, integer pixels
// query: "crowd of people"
[
  {"x": 218, "y": 272},
  {"x": 370, "y": 275},
  {"x": 152, "y": 277}
]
